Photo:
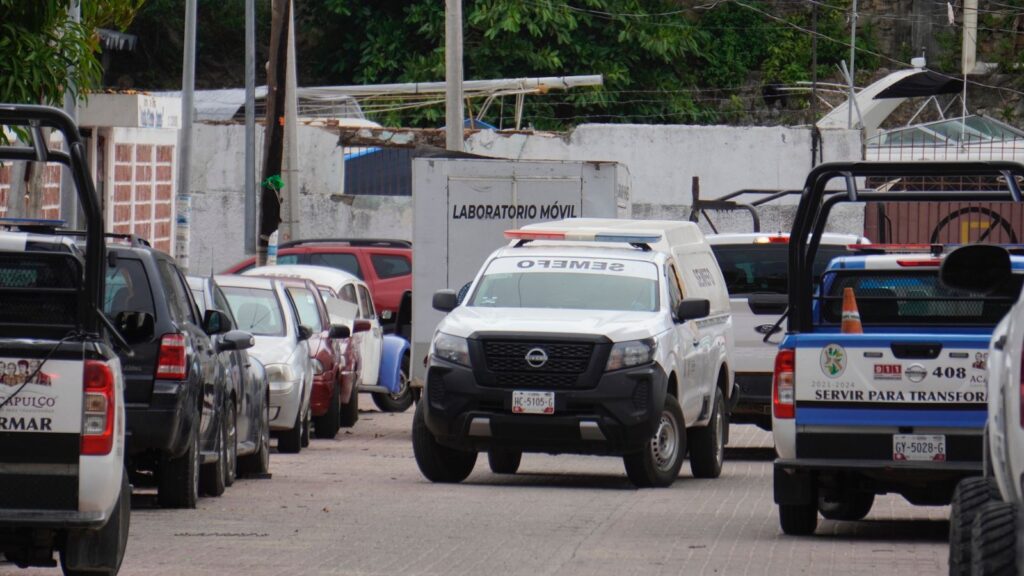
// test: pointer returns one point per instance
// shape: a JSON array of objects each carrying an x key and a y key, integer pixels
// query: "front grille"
[{"x": 566, "y": 362}]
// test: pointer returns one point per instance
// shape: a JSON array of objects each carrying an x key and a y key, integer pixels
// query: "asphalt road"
[{"x": 358, "y": 505}]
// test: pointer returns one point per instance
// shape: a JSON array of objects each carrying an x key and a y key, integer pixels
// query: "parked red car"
[
  {"x": 326, "y": 352},
  {"x": 385, "y": 265}
]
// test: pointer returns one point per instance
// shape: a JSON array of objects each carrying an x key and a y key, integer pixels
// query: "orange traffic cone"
[{"x": 851, "y": 317}]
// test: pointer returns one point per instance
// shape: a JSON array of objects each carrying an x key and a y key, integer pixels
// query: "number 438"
[{"x": 950, "y": 372}]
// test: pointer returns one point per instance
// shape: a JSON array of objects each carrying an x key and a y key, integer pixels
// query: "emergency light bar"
[
  {"x": 528, "y": 235},
  {"x": 935, "y": 249},
  {"x": 32, "y": 224}
]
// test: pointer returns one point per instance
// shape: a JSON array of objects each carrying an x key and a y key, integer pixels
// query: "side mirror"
[
  {"x": 305, "y": 332},
  {"x": 445, "y": 300},
  {"x": 136, "y": 327},
  {"x": 692, "y": 309},
  {"x": 339, "y": 331},
  {"x": 216, "y": 322},
  {"x": 236, "y": 340},
  {"x": 361, "y": 326},
  {"x": 976, "y": 267}
]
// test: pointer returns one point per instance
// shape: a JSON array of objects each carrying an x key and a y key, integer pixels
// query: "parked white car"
[
  {"x": 986, "y": 524},
  {"x": 756, "y": 271},
  {"x": 583, "y": 336},
  {"x": 264, "y": 308}
]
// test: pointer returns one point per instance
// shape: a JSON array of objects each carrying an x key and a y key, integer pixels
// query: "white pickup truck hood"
[{"x": 617, "y": 326}]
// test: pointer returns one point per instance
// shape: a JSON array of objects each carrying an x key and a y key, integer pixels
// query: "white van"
[{"x": 592, "y": 336}]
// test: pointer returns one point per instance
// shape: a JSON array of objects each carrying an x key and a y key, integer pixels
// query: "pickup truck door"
[{"x": 690, "y": 364}]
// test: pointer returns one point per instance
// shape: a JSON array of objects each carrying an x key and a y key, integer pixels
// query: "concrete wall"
[{"x": 661, "y": 161}]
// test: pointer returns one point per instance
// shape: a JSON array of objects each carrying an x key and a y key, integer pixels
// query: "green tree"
[{"x": 38, "y": 44}]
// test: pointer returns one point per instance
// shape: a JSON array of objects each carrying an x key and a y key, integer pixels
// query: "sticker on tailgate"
[{"x": 48, "y": 401}]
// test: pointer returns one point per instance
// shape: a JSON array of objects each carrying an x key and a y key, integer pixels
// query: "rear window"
[
  {"x": 127, "y": 288},
  {"x": 21, "y": 277},
  {"x": 390, "y": 265},
  {"x": 256, "y": 310},
  {"x": 344, "y": 262},
  {"x": 915, "y": 298},
  {"x": 764, "y": 268}
]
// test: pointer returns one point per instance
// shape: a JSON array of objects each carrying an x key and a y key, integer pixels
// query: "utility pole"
[
  {"x": 453, "y": 106},
  {"x": 188, "y": 82},
  {"x": 68, "y": 198},
  {"x": 273, "y": 141},
  {"x": 853, "y": 55},
  {"x": 815, "y": 135},
  {"x": 250, "y": 126},
  {"x": 291, "y": 136}
]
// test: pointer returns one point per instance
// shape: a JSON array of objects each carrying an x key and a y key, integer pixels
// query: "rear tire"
[
  {"x": 438, "y": 463},
  {"x": 290, "y": 441},
  {"x": 350, "y": 411},
  {"x": 658, "y": 464},
  {"x": 994, "y": 540},
  {"x": 707, "y": 444},
  {"x": 211, "y": 477},
  {"x": 112, "y": 542},
  {"x": 798, "y": 519},
  {"x": 259, "y": 461},
  {"x": 327, "y": 425},
  {"x": 399, "y": 401},
  {"x": 850, "y": 509},
  {"x": 178, "y": 478},
  {"x": 504, "y": 460},
  {"x": 968, "y": 498}
]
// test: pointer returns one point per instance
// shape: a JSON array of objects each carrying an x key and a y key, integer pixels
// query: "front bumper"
[
  {"x": 285, "y": 401},
  {"x": 163, "y": 424},
  {"x": 617, "y": 415},
  {"x": 320, "y": 397}
]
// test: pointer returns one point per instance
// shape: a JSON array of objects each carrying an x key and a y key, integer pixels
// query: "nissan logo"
[{"x": 536, "y": 357}]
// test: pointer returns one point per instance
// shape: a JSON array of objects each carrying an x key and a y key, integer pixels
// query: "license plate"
[
  {"x": 931, "y": 448},
  {"x": 530, "y": 402}
]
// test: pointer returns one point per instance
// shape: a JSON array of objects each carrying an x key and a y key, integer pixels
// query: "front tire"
[
  {"x": 259, "y": 461},
  {"x": 994, "y": 540},
  {"x": 178, "y": 482},
  {"x": 399, "y": 401},
  {"x": 504, "y": 460},
  {"x": 798, "y": 519},
  {"x": 307, "y": 425},
  {"x": 658, "y": 464},
  {"x": 231, "y": 464},
  {"x": 968, "y": 498},
  {"x": 290, "y": 441},
  {"x": 438, "y": 463},
  {"x": 707, "y": 444},
  {"x": 212, "y": 476},
  {"x": 328, "y": 424},
  {"x": 350, "y": 411}
]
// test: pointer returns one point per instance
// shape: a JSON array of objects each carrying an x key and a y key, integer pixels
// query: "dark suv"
[{"x": 174, "y": 383}]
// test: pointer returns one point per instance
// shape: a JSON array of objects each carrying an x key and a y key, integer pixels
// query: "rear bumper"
[
  {"x": 53, "y": 519},
  {"x": 616, "y": 416},
  {"x": 163, "y": 424},
  {"x": 755, "y": 398}
]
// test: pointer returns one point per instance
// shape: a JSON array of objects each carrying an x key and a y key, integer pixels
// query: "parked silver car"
[{"x": 264, "y": 308}]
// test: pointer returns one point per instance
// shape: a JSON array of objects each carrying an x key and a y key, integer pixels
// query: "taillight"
[
  {"x": 173, "y": 362},
  {"x": 783, "y": 389},
  {"x": 98, "y": 409},
  {"x": 919, "y": 263}
]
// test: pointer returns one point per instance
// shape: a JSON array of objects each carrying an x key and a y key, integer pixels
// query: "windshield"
[
  {"x": 257, "y": 310},
  {"x": 309, "y": 313},
  {"x": 764, "y": 268},
  {"x": 896, "y": 297},
  {"x": 568, "y": 283}
]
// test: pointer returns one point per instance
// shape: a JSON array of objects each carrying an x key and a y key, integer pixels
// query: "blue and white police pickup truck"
[{"x": 900, "y": 407}]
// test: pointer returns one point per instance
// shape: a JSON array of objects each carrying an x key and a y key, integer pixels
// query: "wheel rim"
[
  {"x": 403, "y": 386},
  {"x": 665, "y": 443},
  {"x": 196, "y": 459},
  {"x": 232, "y": 438}
]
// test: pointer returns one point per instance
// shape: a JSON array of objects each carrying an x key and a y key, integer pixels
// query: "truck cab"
[{"x": 583, "y": 336}]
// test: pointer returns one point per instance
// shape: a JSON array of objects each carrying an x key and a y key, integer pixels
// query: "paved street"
[{"x": 358, "y": 505}]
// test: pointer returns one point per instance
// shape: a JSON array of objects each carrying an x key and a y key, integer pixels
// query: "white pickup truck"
[
  {"x": 584, "y": 336},
  {"x": 63, "y": 486},
  {"x": 986, "y": 524}
]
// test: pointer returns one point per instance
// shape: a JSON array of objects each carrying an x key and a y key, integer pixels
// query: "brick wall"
[{"x": 143, "y": 192}]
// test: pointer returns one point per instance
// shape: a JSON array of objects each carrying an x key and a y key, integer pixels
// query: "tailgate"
[
  {"x": 754, "y": 316},
  {"x": 40, "y": 429},
  {"x": 861, "y": 395}
]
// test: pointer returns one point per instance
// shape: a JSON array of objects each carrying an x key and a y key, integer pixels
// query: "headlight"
[
  {"x": 451, "y": 348},
  {"x": 280, "y": 373},
  {"x": 632, "y": 353},
  {"x": 318, "y": 367}
]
